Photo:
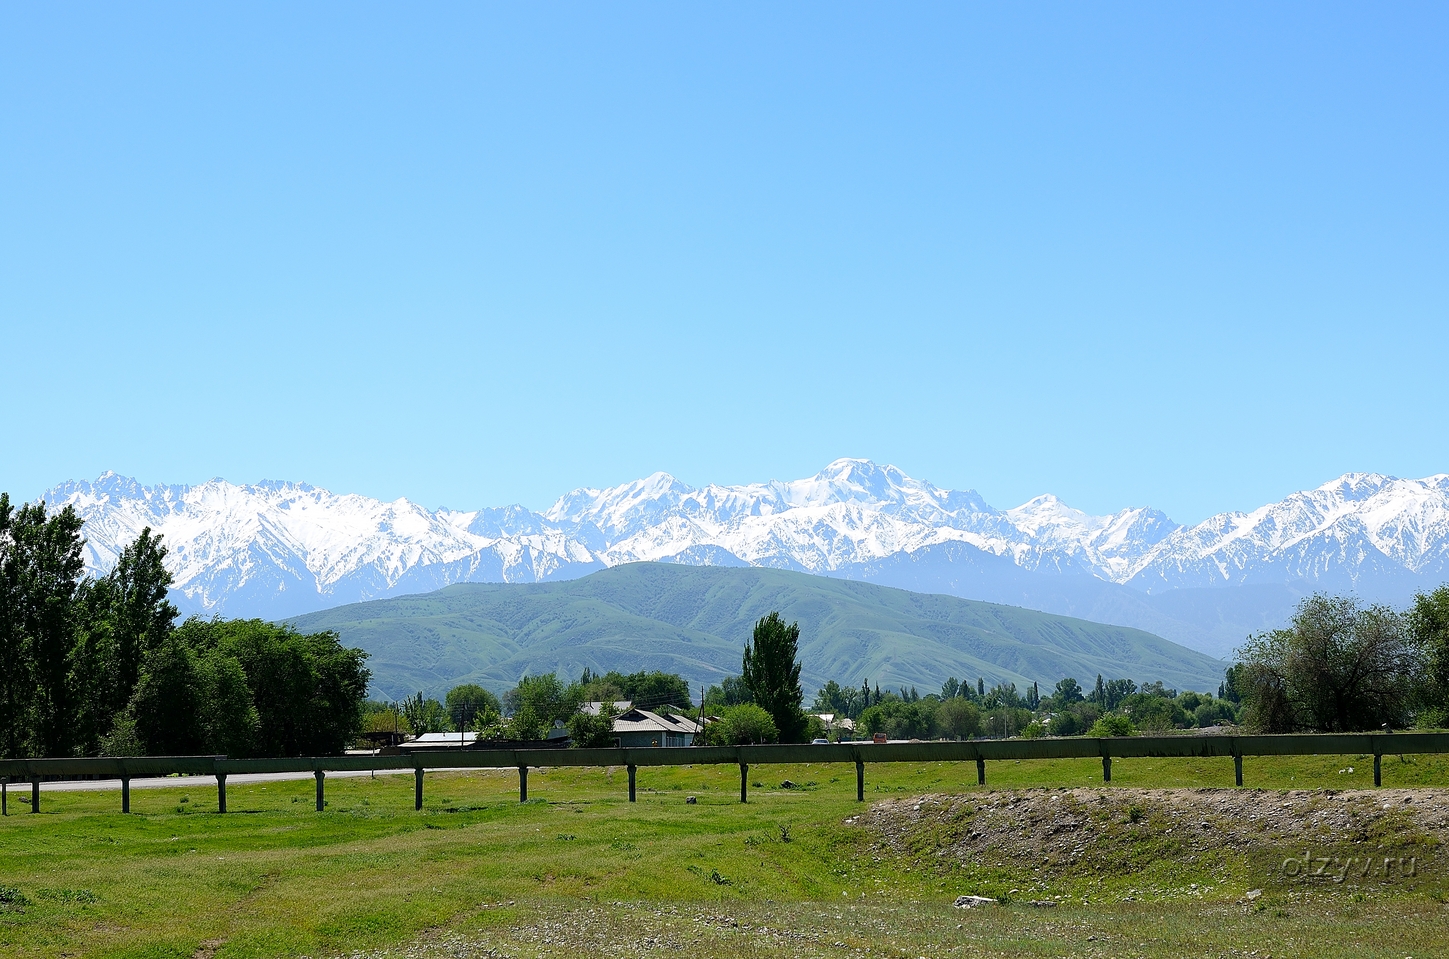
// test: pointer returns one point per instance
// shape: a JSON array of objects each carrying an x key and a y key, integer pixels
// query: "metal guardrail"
[{"x": 979, "y": 751}]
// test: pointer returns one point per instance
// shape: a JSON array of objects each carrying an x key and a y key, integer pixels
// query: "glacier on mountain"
[{"x": 277, "y": 549}]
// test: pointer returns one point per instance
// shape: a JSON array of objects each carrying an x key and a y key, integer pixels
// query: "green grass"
[
  {"x": 274, "y": 877},
  {"x": 694, "y": 620}
]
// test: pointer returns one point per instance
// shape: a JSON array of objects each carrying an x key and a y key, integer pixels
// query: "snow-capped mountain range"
[{"x": 278, "y": 549}]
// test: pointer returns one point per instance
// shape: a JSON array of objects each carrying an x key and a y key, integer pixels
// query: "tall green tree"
[
  {"x": 308, "y": 689},
  {"x": 771, "y": 672},
  {"x": 1339, "y": 666},
  {"x": 958, "y": 718},
  {"x": 167, "y": 701},
  {"x": 425, "y": 715},
  {"x": 1429, "y": 624},
  {"x": 134, "y": 594},
  {"x": 16, "y": 679},
  {"x": 227, "y": 716},
  {"x": 51, "y": 568},
  {"x": 1067, "y": 691},
  {"x": 469, "y": 703},
  {"x": 537, "y": 702},
  {"x": 122, "y": 618}
]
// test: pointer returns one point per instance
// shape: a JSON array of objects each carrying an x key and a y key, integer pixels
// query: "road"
[{"x": 182, "y": 782}]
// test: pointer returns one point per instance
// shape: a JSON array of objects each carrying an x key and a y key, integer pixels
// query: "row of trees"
[
  {"x": 1342, "y": 666},
  {"x": 92, "y": 666},
  {"x": 763, "y": 703},
  {"x": 963, "y": 711},
  {"x": 1339, "y": 665},
  {"x": 532, "y": 707}
]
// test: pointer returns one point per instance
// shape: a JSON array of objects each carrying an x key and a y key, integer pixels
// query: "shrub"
[
  {"x": 741, "y": 725},
  {"x": 1113, "y": 724},
  {"x": 1214, "y": 711},
  {"x": 588, "y": 731},
  {"x": 902, "y": 720}
]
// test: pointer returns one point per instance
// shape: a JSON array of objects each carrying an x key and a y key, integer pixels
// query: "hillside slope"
[{"x": 695, "y": 620}]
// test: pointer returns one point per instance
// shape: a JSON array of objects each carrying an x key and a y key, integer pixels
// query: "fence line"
[{"x": 979, "y": 751}]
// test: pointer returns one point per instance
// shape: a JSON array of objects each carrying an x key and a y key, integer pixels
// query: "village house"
[{"x": 640, "y": 727}]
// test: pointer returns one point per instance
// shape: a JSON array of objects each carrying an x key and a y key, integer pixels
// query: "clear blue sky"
[{"x": 1191, "y": 256}]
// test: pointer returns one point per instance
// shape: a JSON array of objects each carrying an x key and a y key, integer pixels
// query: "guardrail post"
[
  {"x": 632, "y": 770},
  {"x": 1106, "y": 769},
  {"x": 523, "y": 784},
  {"x": 1238, "y": 768},
  {"x": 125, "y": 794},
  {"x": 320, "y": 776},
  {"x": 221, "y": 792},
  {"x": 980, "y": 772},
  {"x": 744, "y": 782},
  {"x": 35, "y": 794},
  {"x": 418, "y": 789},
  {"x": 859, "y": 781},
  {"x": 5, "y": 796},
  {"x": 1378, "y": 770}
]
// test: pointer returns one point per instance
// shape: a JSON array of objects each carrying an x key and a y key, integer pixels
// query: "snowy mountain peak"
[
  {"x": 278, "y": 547},
  {"x": 1047, "y": 510}
]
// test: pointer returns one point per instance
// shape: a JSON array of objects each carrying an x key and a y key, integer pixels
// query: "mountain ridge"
[
  {"x": 696, "y": 620},
  {"x": 281, "y": 548}
]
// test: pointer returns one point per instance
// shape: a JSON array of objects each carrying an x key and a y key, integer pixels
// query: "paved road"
[{"x": 181, "y": 782}]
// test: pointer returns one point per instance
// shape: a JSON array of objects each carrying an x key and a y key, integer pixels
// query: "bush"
[
  {"x": 1214, "y": 711},
  {"x": 741, "y": 725},
  {"x": 1113, "y": 724},
  {"x": 588, "y": 731},
  {"x": 1154, "y": 712},
  {"x": 1006, "y": 721},
  {"x": 123, "y": 740},
  {"x": 902, "y": 720},
  {"x": 1074, "y": 721}
]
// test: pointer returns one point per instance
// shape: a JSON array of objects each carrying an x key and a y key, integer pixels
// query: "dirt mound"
[{"x": 1120, "y": 830}]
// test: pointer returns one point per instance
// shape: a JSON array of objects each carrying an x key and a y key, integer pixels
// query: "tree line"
[
  {"x": 98, "y": 666},
  {"x": 764, "y": 704},
  {"x": 532, "y": 708}
]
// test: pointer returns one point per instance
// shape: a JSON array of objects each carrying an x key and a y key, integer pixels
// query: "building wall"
[{"x": 654, "y": 738}]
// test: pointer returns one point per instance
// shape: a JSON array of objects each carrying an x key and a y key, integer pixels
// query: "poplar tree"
[
  {"x": 48, "y": 551},
  {"x": 15, "y": 672},
  {"x": 771, "y": 672},
  {"x": 140, "y": 615}
]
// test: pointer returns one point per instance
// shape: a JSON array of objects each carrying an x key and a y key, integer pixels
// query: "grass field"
[{"x": 580, "y": 871}]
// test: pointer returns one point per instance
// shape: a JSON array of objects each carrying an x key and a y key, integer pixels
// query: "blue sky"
[{"x": 1186, "y": 256}]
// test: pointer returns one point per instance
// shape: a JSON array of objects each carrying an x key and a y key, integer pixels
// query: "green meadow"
[{"x": 580, "y": 870}]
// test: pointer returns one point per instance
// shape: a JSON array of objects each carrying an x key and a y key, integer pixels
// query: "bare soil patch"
[{"x": 1080, "y": 826}]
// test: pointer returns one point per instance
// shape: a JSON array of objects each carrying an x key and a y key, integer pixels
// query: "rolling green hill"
[{"x": 695, "y": 620}]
